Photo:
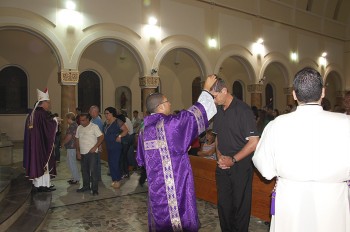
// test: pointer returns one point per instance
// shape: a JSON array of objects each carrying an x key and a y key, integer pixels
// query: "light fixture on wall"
[
  {"x": 152, "y": 20},
  {"x": 154, "y": 71},
  {"x": 261, "y": 81},
  {"x": 294, "y": 56},
  {"x": 70, "y": 16},
  {"x": 70, "y": 5},
  {"x": 213, "y": 43},
  {"x": 258, "y": 47},
  {"x": 323, "y": 60},
  {"x": 152, "y": 30}
]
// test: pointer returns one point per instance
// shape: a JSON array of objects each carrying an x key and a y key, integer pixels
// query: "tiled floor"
[{"x": 112, "y": 210}]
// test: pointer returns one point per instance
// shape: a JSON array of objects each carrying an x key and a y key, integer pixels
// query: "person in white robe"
[{"x": 309, "y": 152}]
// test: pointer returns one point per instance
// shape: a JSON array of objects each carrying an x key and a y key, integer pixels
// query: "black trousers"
[
  {"x": 234, "y": 188},
  {"x": 89, "y": 165},
  {"x": 124, "y": 164},
  {"x": 143, "y": 176}
]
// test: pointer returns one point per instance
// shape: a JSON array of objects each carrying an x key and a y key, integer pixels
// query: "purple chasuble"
[
  {"x": 162, "y": 149},
  {"x": 38, "y": 149}
]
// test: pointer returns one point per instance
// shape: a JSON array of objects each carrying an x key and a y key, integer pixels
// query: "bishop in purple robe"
[
  {"x": 162, "y": 149},
  {"x": 38, "y": 151}
]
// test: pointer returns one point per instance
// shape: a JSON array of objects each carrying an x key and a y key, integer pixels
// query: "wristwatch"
[{"x": 234, "y": 160}]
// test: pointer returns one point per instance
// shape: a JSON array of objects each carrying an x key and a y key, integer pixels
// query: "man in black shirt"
[{"x": 236, "y": 140}]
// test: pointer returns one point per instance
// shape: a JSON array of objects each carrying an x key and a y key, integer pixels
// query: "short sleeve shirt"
[
  {"x": 234, "y": 126},
  {"x": 87, "y": 137}
]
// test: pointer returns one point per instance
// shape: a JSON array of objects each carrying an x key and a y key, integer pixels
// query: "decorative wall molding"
[
  {"x": 68, "y": 77},
  {"x": 149, "y": 82},
  {"x": 255, "y": 88}
]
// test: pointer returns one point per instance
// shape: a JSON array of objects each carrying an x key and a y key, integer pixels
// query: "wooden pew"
[
  {"x": 205, "y": 185},
  {"x": 204, "y": 178}
]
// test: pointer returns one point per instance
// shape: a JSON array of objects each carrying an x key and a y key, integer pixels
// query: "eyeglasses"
[{"x": 162, "y": 103}]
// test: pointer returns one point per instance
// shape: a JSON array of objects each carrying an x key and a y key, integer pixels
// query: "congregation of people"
[
  {"x": 82, "y": 141},
  {"x": 218, "y": 127}
]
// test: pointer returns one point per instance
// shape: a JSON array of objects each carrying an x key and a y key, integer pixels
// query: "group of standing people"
[
  {"x": 115, "y": 132},
  {"x": 311, "y": 192},
  {"x": 83, "y": 140},
  {"x": 162, "y": 149}
]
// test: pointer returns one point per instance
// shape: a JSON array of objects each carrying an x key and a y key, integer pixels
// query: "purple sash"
[
  {"x": 273, "y": 198},
  {"x": 272, "y": 209}
]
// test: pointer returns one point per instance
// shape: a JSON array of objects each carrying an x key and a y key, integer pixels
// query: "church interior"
[{"x": 117, "y": 52}]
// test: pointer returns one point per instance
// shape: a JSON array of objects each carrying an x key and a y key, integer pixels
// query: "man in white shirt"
[
  {"x": 94, "y": 112},
  {"x": 309, "y": 152},
  {"x": 88, "y": 139}
]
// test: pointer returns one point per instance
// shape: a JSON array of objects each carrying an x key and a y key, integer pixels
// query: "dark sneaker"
[{"x": 94, "y": 193}]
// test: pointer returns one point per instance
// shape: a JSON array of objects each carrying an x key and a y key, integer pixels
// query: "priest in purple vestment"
[
  {"x": 39, "y": 137},
  {"x": 162, "y": 149}
]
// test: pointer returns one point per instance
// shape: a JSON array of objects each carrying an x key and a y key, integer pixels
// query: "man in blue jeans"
[{"x": 88, "y": 139}]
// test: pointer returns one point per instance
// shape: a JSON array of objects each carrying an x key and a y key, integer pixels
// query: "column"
[
  {"x": 68, "y": 81},
  {"x": 148, "y": 85},
  {"x": 256, "y": 95},
  {"x": 289, "y": 96}
]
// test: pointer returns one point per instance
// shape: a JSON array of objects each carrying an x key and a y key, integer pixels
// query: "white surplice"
[{"x": 309, "y": 151}]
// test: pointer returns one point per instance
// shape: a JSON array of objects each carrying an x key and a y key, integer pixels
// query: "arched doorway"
[
  {"x": 237, "y": 90},
  {"x": 89, "y": 90},
  {"x": 13, "y": 91},
  {"x": 275, "y": 79},
  {"x": 333, "y": 89}
]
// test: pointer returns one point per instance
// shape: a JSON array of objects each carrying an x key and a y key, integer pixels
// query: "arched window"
[
  {"x": 89, "y": 90},
  {"x": 237, "y": 90},
  {"x": 196, "y": 89},
  {"x": 269, "y": 100},
  {"x": 13, "y": 91}
]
